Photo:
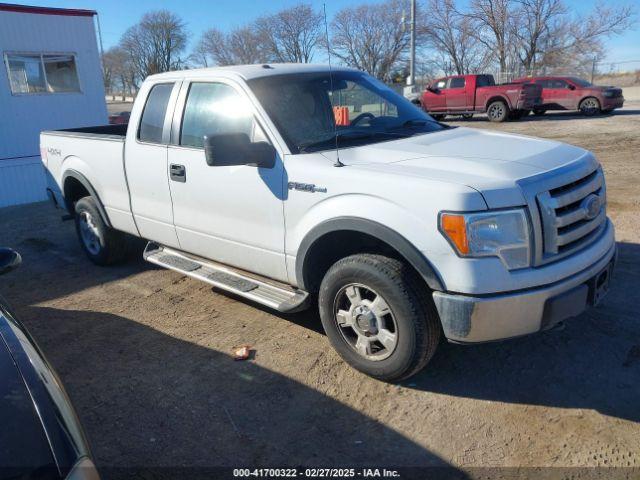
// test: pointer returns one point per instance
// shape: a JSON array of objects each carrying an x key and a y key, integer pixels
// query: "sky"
[{"x": 117, "y": 15}]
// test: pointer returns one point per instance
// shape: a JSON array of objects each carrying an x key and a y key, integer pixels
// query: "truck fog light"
[{"x": 504, "y": 234}]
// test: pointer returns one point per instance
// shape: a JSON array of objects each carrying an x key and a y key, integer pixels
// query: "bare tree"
[
  {"x": 291, "y": 35},
  {"x": 451, "y": 34},
  {"x": 548, "y": 36},
  {"x": 154, "y": 44},
  {"x": 240, "y": 46},
  {"x": 493, "y": 24},
  {"x": 371, "y": 37},
  {"x": 537, "y": 21},
  {"x": 119, "y": 72}
]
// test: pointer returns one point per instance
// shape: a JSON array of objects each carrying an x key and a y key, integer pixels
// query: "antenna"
[{"x": 335, "y": 127}]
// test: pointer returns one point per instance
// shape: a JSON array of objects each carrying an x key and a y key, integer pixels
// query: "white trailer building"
[{"x": 50, "y": 78}]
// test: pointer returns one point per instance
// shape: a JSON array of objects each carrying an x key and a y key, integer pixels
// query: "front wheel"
[
  {"x": 498, "y": 111},
  {"x": 378, "y": 316},
  {"x": 590, "y": 106},
  {"x": 103, "y": 245}
]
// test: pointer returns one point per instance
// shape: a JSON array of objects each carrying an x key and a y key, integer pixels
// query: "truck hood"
[{"x": 489, "y": 162}]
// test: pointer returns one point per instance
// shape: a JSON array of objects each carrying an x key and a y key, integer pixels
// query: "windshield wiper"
[{"x": 346, "y": 136}]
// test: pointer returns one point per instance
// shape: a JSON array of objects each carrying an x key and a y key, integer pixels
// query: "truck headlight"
[{"x": 504, "y": 234}]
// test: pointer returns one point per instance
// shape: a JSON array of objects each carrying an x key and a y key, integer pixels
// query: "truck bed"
[
  {"x": 104, "y": 132},
  {"x": 95, "y": 152}
]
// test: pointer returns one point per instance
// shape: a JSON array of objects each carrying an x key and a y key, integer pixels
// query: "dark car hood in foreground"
[
  {"x": 39, "y": 426},
  {"x": 23, "y": 444}
]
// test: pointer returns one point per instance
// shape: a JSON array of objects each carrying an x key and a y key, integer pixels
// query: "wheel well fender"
[
  {"x": 75, "y": 186},
  {"x": 312, "y": 244},
  {"x": 589, "y": 96},
  {"x": 498, "y": 98}
]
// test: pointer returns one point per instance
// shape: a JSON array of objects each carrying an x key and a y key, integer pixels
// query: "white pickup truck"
[{"x": 295, "y": 184}]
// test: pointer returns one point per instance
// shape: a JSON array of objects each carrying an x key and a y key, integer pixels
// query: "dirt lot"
[{"x": 144, "y": 354}]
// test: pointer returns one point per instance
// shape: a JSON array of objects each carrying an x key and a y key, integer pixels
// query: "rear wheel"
[
  {"x": 103, "y": 245},
  {"x": 498, "y": 111},
  {"x": 378, "y": 316},
  {"x": 590, "y": 106}
]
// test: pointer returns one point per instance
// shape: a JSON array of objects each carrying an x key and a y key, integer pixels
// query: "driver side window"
[{"x": 216, "y": 108}]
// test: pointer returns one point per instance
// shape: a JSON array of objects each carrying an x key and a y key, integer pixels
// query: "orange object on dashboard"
[{"x": 341, "y": 115}]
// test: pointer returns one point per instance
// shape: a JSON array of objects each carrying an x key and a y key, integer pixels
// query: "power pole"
[{"x": 412, "y": 58}]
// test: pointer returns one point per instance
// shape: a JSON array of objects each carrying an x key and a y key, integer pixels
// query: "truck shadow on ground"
[
  {"x": 594, "y": 363},
  {"x": 152, "y": 403}
]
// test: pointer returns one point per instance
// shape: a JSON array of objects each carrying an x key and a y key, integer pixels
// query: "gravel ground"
[{"x": 145, "y": 356}]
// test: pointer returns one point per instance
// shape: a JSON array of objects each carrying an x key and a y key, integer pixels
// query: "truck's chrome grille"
[{"x": 572, "y": 214}]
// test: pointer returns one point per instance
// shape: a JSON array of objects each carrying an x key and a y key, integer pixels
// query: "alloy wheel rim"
[
  {"x": 89, "y": 233},
  {"x": 589, "y": 105},
  {"x": 496, "y": 111},
  {"x": 366, "y": 321}
]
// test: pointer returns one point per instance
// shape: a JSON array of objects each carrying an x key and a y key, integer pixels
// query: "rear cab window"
[
  {"x": 485, "y": 81},
  {"x": 154, "y": 113}
]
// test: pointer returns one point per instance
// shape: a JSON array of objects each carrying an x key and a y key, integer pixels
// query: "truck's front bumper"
[{"x": 473, "y": 319}]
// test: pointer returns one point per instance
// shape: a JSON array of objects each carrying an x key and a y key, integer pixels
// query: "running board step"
[{"x": 259, "y": 289}]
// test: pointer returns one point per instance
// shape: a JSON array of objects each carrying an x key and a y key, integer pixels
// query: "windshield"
[
  {"x": 580, "y": 82},
  {"x": 315, "y": 112}
]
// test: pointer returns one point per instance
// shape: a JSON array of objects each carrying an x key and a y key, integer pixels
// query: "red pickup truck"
[
  {"x": 468, "y": 94},
  {"x": 572, "y": 93}
]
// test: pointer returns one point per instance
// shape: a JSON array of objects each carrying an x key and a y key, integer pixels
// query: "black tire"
[
  {"x": 103, "y": 245},
  {"x": 498, "y": 111},
  {"x": 590, "y": 106},
  {"x": 437, "y": 116},
  {"x": 538, "y": 113},
  {"x": 410, "y": 307}
]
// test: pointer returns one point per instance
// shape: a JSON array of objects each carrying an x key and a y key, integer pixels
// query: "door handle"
[{"x": 178, "y": 173}]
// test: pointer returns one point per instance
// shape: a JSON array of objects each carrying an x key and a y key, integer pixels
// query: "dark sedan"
[{"x": 40, "y": 437}]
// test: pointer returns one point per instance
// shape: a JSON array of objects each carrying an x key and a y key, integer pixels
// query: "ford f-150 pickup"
[
  {"x": 401, "y": 229},
  {"x": 469, "y": 94}
]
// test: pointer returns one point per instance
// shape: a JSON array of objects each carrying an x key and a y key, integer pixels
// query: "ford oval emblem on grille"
[{"x": 591, "y": 205}]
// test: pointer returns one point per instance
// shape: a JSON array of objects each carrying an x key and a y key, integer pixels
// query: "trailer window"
[
  {"x": 61, "y": 73},
  {"x": 153, "y": 115},
  {"x": 42, "y": 73},
  {"x": 26, "y": 74}
]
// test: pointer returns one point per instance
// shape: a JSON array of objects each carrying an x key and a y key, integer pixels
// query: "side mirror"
[
  {"x": 432, "y": 89},
  {"x": 9, "y": 260},
  {"x": 237, "y": 149}
]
